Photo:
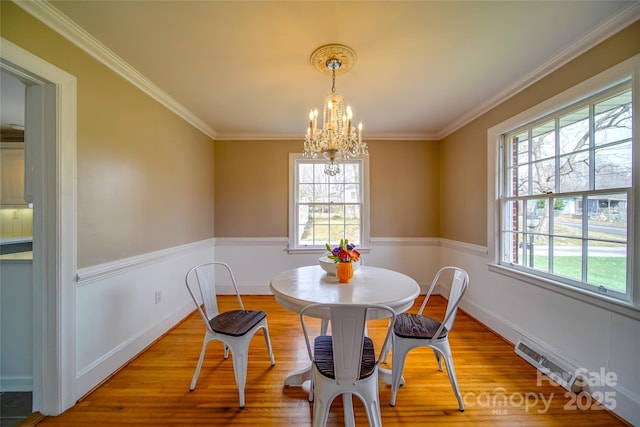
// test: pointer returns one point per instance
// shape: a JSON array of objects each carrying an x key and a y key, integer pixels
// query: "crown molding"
[
  {"x": 623, "y": 19},
  {"x": 299, "y": 137},
  {"x": 61, "y": 24}
]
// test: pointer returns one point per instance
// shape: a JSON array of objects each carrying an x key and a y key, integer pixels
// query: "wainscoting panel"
[
  {"x": 256, "y": 260},
  {"x": 122, "y": 307}
]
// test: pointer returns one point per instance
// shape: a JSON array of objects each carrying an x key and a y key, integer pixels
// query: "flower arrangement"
[{"x": 346, "y": 252}]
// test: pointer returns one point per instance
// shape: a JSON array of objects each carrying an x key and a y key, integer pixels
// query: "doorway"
[
  {"x": 51, "y": 126},
  {"x": 16, "y": 237}
]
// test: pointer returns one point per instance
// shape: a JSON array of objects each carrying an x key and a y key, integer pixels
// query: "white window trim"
[
  {"x": 366, "y": 223},
  {"x": 610, "y": 77}
]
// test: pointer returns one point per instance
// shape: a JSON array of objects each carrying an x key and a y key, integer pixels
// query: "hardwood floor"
[{"x": 499, "y": 388}]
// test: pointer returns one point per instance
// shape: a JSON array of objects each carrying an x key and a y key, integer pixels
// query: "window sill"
[{"x": 623, "y": 308}]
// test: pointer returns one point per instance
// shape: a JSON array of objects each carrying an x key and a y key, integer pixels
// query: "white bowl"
[{"x": 330, "y": 267}]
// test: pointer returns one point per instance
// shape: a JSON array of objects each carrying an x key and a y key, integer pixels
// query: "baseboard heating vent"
[{"x": 555, "y": 368}]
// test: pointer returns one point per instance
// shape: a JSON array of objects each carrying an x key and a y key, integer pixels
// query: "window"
[
  {"x": 324, "y": 209},
  {"x": 566, "y": 190}
]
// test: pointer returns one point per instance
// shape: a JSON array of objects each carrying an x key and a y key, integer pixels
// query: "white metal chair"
[
  {"x": 345, "y": 362},
  {"x": 417, "y": 330},
  {"x": 234, "y": 328}
]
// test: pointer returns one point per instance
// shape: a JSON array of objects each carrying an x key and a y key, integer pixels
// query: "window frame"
[
  {"x": 629, "y": 305},
  {"x": 294, "y": 160}
]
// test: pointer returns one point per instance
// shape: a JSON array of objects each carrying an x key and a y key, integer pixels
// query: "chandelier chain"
[{"x": 333, "y": 85}]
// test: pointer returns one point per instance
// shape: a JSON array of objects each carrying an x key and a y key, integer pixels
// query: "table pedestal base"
[{"x": 296, "y": 378}]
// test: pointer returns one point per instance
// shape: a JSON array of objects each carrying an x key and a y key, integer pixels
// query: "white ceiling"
[{"x": 424, "y": 68}]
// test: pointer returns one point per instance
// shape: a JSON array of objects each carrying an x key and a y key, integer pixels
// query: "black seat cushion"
[
  {"x": 236, "y": 322},
  {"x": 323, "y": 355},
  {"x": 417, "y": 326}
]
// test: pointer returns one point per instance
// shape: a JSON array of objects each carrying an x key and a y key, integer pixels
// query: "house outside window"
[
  {"x": 325, "y": 209},
  {"x": 566, "y": 188}
]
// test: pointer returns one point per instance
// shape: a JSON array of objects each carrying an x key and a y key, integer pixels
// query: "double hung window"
[
  {"x": 325, "y": 209},
  {"x": 566, "y": 194}
]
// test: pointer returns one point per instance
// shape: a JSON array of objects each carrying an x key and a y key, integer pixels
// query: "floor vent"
[{"x": 558, "y": 370}]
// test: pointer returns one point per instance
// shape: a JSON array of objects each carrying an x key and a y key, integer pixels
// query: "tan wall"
[
  {"x": 405, "y": 180},
  {"x": 251, "y": 187},
  {"x": 145, "y": 176},
  {"x": 463, "y": 154}
]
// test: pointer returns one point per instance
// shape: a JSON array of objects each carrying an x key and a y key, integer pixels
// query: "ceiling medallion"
[{"x": 344, "y": 54}]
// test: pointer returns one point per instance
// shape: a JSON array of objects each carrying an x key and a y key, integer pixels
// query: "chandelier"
[{"x": 337, "y": 139}]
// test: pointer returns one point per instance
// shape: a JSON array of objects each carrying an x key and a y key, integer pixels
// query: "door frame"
[{"x": 52, "y": 105}]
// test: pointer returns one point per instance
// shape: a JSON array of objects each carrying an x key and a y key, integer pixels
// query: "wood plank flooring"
[{"x": 153, "y": 389}]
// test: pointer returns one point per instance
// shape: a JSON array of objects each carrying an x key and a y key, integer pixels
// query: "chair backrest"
[
  {"x": 348, "y": 322},
  {"x": 201, "y": 282},
  {"x": 459, "y": 282}
]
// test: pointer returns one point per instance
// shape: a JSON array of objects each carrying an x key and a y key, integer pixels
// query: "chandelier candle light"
[{"x": 337, "y": 139}]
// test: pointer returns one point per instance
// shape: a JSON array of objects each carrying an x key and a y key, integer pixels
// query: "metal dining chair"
[
  {"x": 418, "y": 330},
  {"x": 234, "y": 328},
  {"x": 345, "y": 362}
]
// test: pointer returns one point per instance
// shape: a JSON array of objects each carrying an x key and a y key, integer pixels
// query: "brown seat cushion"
[
  {"x": 323, "y": 355},
  {"x": 236, "y": 322},
  {"x": 417, "y": 326}
]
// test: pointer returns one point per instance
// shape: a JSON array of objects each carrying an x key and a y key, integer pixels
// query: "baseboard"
[
  {"x": 16, "y": 384},
  {"x": 114, "y": 360}
]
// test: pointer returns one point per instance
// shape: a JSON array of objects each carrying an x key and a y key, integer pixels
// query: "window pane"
[
  {"x": 522, "y": 148},
  {"x": 608, "y": 220},
  {"x": 508, "y": 247},
  {"x": 574, "y": 131},
  {"x": 544, "y": 177},
  {"x": 511, "y": 182},
  {"x": 352, "y": 214},
  {"x": 321, "y": 234},
  {"x": 543, "y": 141},
  {"x": 511, "y": 219},
  {"x": 613, "y": 166},
  {"x": 523, "y": 181},
  {"x": 574, "y": 172},
  {"x": 305, "y": 193},
  {"x": 607, "y": 266},
  {"x": 613, "y": 121},
  {"x": 352, "y": 193},
  {"x": 305, "y": 221},
  {"x": 567, "y": 220},
  {"x": 305, "y": 224},
  {"x": 539, "y": 253},
  {"x": 321, "y": 193},
  {"x": 567, "y": 258},
  {"x": 351, "y": 172},
  {"x": 336, "y": 214},
  {"x": 536, "y": 212},
  {"x": 305, "y": 172},
  {"x": 336, "y": 193},
  {"x": 514, "y": 248},
  {"x": 318, "y": 173},
  {"x": 561, "y": 207},
  {"x": 336, "y": 232},
  {"x": 353, "y": 233}
]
